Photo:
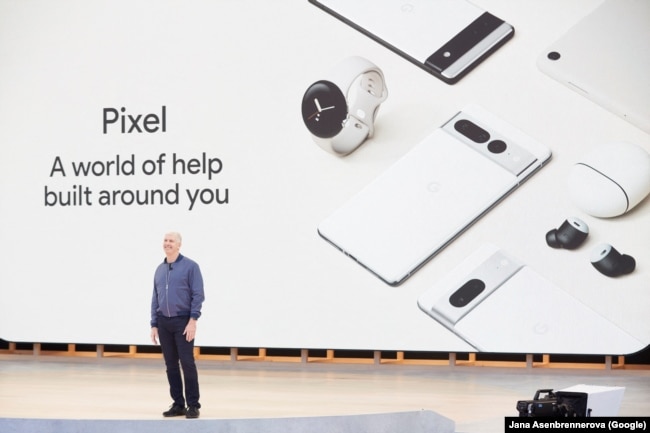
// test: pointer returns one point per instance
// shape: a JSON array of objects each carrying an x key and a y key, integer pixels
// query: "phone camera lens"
[
  {"x": 467, "y": 293},
  {"x": 554, "y": 55},
  {"x": 497, "y": 146},
  {"x": 472, "y": 131}
]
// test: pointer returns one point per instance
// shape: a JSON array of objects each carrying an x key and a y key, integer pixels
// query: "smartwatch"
[{"x": 340, "y": 111}]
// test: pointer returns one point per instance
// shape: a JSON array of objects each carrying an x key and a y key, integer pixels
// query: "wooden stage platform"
[{"x": 475, "y": 398}]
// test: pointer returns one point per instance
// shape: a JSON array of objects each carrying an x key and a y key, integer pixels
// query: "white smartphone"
[
  {"x": 576, "y": 59},
  {"x": 433, "y": 193},
  {"x": 498, "y": 304},
  {"x": 446, "y": 38}
]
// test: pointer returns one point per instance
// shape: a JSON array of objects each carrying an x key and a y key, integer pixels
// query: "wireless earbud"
[
  {"x": 608, "y": 261},
  {"x": 570, "y": 235}
]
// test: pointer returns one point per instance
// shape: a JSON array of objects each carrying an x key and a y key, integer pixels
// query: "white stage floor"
[{"x": 476, "y": 398}]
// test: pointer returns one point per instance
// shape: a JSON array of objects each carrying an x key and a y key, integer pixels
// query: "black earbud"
[
  {"x": 570, "y": 235},
  {"x": 608, "y": 261}
]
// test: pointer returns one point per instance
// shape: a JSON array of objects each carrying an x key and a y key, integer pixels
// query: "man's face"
[{"x": 171, "y": 244}]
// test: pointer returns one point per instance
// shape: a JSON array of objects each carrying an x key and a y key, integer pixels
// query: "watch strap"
[
  {"x": 354, "y": 133},
  {"x": 364, "y": 87}
]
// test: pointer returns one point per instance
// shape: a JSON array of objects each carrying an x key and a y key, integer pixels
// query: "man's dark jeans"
[{"x": 177, "y": 350}]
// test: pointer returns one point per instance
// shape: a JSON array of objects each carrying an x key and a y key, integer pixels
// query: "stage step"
[{"x": 424, "y": 421}]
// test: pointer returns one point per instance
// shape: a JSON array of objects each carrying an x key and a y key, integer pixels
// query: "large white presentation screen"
[{"x": 123, "y": 120}]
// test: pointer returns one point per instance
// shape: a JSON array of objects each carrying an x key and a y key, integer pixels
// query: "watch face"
[{"x": 324, "y": 109}]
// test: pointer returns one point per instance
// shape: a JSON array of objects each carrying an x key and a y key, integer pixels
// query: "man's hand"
[
  {"x": 190, "y": 330},
  {"x": 154, "y": 335}
]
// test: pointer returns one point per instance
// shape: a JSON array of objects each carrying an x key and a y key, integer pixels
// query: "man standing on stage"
[{"x": 175, "y": 308}]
